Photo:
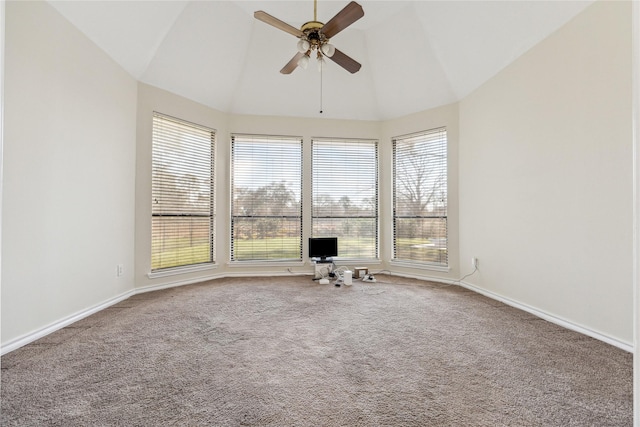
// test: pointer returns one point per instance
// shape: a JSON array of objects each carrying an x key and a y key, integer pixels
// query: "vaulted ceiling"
[{"x": 415, "y": 55}]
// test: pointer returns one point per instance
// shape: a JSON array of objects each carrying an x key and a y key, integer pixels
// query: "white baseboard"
[
  {"x": 193, "y": 281},
  {"x": 551, "y": 318},
  {"x": 21, "y": 341},
  {"x": 29, "y": 338},
  {"x": 424, "y": 277},
  {"x": 52, "y": 327},
  {"x": 265, "y": 274},
  {"x": 626, "y": 346},
  {"x": 176, "y": 283}
]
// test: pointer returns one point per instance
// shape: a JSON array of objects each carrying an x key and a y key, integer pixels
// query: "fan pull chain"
[{"x": 321, "y": 87}]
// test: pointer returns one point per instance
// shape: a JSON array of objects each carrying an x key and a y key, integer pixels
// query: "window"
[
  {"x": 266, "y": 187},
  {"x": 182, "y": 210},
  {"x": 420, "y": 197},
  {"x": 344, "y": 200}
]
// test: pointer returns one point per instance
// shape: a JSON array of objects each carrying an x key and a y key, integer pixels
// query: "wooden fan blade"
[
  {"x": 291, "y": 65},
  {"x": 268, "y": 19},
  {"x": 347, "y": 16},
  {"x": 346, "y": 62}
]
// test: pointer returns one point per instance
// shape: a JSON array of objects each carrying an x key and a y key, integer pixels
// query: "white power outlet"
[
  {"x": 475, "y": 263},
  {"x": 119, "y": 270}
]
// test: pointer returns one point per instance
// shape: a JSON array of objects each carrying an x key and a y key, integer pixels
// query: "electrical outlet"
[
  {"x": 475, "y": 263},
  {"x": 119, "y": 270}
]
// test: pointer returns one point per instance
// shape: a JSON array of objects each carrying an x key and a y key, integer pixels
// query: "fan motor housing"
[
  {"x": 312, "y": 33},
  {"x": 311, "y": 25}
]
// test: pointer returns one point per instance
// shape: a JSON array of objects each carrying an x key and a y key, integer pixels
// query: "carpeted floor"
[{"x": 291, "y": 352}]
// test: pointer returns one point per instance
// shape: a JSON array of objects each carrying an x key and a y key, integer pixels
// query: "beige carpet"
[{"x": 291, "y": 352}]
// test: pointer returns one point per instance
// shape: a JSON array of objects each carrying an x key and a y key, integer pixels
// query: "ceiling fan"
[{"x": 314, "y": 36}]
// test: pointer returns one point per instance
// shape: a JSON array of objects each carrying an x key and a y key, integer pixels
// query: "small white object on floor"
[
  {"x": 324, "y": 281},
  {"x": 347, "y": 277}
]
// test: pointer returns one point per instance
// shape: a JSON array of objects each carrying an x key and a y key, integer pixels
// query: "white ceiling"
[{"x": 415, "y": 55}]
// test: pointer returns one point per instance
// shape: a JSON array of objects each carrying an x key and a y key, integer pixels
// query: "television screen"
[{"x": 323, "y": 247}]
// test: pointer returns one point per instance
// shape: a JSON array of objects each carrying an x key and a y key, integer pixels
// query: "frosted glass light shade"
[
  {"x": 328, "y": 49},
  {"x": 303, "y": 62},
  {"x": 303, "y": 46}
]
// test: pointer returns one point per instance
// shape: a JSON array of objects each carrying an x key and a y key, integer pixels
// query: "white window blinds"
[
  {"x": 183, "y": 217},
  {"x": 420, "y": 197},
  {"x": 266, "y": 186},
  {"x": 344, "y": 200}
]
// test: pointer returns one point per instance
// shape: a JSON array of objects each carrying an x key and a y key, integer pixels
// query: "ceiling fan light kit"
[
  {"x": 328, "y": 49},
  {"x": 303, "y": 62},
  {"x": 303, "y": 46},
  {"x": 314, "y": 36}
]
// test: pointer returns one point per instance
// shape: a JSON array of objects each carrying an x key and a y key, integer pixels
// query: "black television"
[{"x": 323, "y": 247}]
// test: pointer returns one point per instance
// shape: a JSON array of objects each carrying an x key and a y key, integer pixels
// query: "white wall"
[
  {"x": 546, "y": 176},
  {"x": 69, "y": 170}
]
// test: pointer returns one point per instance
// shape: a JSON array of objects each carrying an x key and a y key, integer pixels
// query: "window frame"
[
  {"x": 437, "y": 136},
  {"x": 233, "y": 217},
  {"x": 317, "y": 141},
  {"x": 159, "y": 119}
]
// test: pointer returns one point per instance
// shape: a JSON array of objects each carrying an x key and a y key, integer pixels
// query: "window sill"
[
  {"x": 235, "y": 264},
  {"x": 420, "y": 265},
  {"x": 181, "y": 270},
  {"x": 356, "y": 261}
]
